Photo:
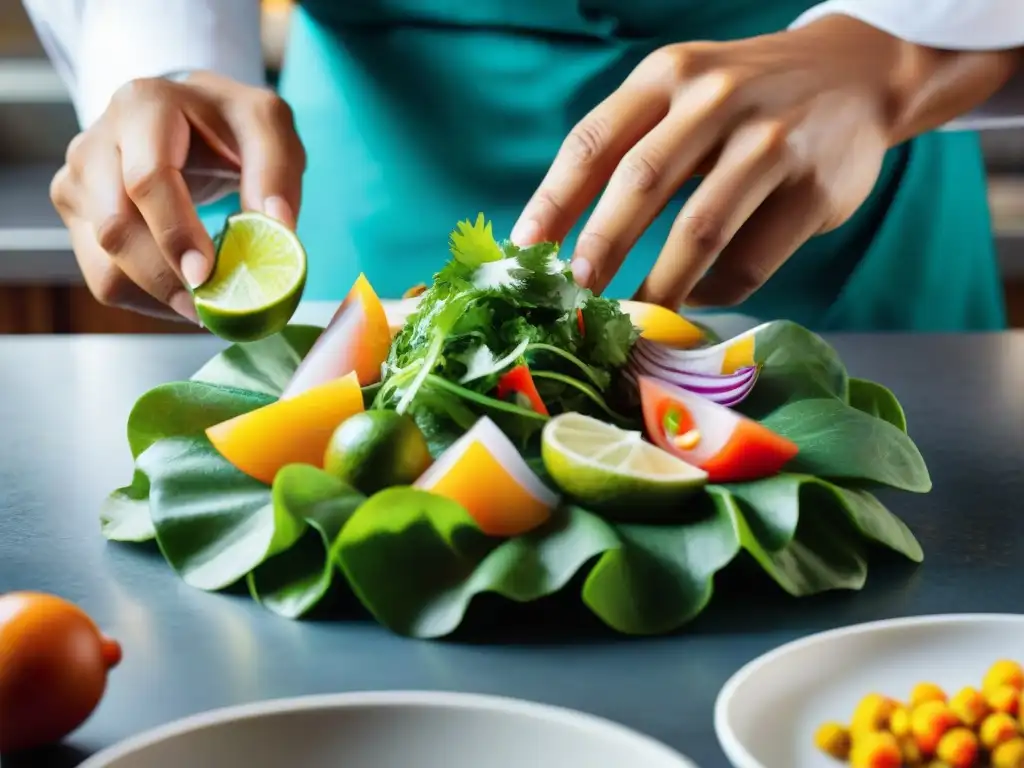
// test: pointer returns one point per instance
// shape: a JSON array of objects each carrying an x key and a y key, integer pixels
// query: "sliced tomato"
[
  {"x": 517, "y": 385},
  {"x": 725, "y": 444}
]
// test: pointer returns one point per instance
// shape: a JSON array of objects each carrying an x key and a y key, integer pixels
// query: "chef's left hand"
[{"x": 789, "y": 131}]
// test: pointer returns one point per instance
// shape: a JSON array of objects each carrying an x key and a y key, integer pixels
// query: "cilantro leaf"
[
  {"x": 474, "y": 244},
  {"x": 495, "y": 304}
]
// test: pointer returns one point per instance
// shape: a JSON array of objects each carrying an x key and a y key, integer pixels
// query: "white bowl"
[
  {"x": 766, "y": 714},
  {"x": 391, "y": 730}
]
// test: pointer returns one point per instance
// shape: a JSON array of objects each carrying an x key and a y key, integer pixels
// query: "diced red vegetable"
[
  {"x": 517, "y": 386},
  {"x": 579, "y": 322},
  {"x": 728, "y": 446}
]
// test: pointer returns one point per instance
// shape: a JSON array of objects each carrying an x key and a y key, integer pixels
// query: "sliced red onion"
[
  {"x": 706, "y": 360},
  {"x": 646, "y": 356},
  {"x": 726, "y": 389}
]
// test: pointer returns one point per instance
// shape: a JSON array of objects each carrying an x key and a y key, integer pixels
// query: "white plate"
[
  {"x": 391, "y": 730},
  {"x": 766, "y": 714}
]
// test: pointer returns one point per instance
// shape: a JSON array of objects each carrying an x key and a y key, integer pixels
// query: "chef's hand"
[
  {"x": 125, "y": 201},
  {"x": 788, "y": 130}
]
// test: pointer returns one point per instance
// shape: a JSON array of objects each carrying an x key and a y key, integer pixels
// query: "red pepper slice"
[
  {"x": 725, "y": 444},
  {"x": 517, "y": 385},
  {"x": 579, "y": 322}
]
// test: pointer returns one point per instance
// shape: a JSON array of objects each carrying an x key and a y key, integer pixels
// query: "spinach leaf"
[
  {"x": 265, "y": 366},
  {"x": 836, "y": 440},
  {"x": 876, "y": 400},
  {"x": 796, "y": 364},
  {"x": 294, "y": 581},
  {"x": 213, "y": 523},
  {"x": 180, "y": 409},
  {"x": 416, "y": 560}
]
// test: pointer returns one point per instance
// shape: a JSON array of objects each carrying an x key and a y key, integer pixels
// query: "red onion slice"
[
  {"x": 706, "y": 360},
  {"x": 650, "y": 359}
]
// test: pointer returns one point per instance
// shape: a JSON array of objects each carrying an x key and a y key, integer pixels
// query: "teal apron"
[{"x": 418, "y": 113}]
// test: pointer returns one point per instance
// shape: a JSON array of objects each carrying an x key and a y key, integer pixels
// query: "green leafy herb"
[
  {"x": 495, "y": 304},
  {"x": 474, "y": 244}
]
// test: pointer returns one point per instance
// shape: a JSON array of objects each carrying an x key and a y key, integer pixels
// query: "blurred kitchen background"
[{"x": 40, "y": 287}]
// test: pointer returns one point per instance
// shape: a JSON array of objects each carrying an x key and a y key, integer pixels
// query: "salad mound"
[
  {"x": 513, "y": 431},
  {"x": 495, "y": 308}
]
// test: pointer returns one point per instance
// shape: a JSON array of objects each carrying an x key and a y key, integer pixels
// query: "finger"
[
  {"x": 105, "y": 279},
  {"x": 273, "y": 158},
  {"x": 787, "y": 220},
  {"x": 61, "y": 187},
  {"x": 124, "y": 237},
  {"x": 587, "y": 158},
  {"x": 753, "y": 163},
  {"x": 647, "y": 177},
  {"x": 154, "y": 143}
]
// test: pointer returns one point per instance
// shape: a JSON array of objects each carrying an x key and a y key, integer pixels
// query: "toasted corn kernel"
[
  {"x": 923, "y": 692},
  {"x": 1004, "y": 672},
  {"x": 1009, "y": 754},
  {"x": 875, "y": 749},
  {"x": 1003, "y": 698},
  {"x": 872, "y": 713},
  {"x": 997, "y": 728},
  {"x": 958, "y": 747},
  {"x": 969, "y": 706},
  {"x": 833, "y": 739},
  {"x": 929, "y": 722}
]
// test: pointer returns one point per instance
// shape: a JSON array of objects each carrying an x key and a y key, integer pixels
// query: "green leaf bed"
[{"x": 415, "y": 560}]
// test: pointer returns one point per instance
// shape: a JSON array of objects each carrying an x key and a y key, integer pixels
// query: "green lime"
[
  {"x": 373, "y": 450},
  {"x": 604, "y": 466},
  {"x": 257, "y": 282}
]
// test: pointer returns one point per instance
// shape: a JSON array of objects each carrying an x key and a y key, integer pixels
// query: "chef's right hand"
[{"x": 124, "y": 199}]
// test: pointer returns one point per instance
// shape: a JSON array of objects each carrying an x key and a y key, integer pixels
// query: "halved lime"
[
  {"x": 257, "y": 282},
  {"x": 601, "y": 465},
  {"x": 374, "y": 450}
]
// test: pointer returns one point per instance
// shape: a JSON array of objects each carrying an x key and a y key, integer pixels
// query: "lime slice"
[
  {"x": 602, "y": 465},
  {"x": 257, "y": 283},
  {"x": 374, "y": 450}
]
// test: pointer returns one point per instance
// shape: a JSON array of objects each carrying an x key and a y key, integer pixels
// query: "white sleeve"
[
  {"x": 99, "y": 45},
  {"x": 959, "y": 25}
]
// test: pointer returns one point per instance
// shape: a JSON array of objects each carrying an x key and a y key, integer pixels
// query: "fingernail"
[
  {"x": 525, "y": 232},
  {"x": 582, "y": 272},
  {"x": 194, "y": 268},
  {"x": 182, "y": 303},
  {"x": 276, "y": 207}
]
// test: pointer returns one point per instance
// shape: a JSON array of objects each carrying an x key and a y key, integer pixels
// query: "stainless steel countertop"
[{"x": 64, "y": 409}]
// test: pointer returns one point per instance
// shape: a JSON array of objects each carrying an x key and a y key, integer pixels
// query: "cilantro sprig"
[{"x": 493, "y": 306}]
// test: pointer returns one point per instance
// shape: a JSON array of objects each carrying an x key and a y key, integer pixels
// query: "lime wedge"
[
  {"x": 257, "y": 282},
  {"x": 602, "y": 465}
]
